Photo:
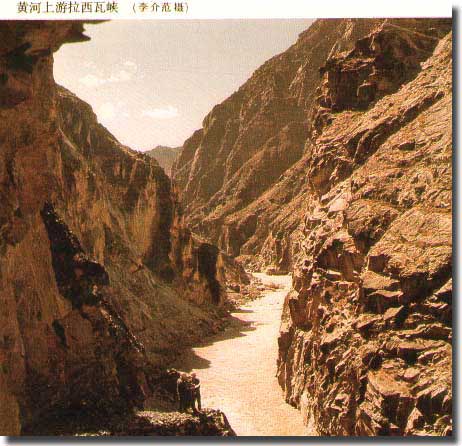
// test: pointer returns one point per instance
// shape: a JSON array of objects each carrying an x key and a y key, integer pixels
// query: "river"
[{"x": 237, "y": 368}]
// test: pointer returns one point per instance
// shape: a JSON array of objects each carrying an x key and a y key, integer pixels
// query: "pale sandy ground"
[{"x": 238, "y": 367}]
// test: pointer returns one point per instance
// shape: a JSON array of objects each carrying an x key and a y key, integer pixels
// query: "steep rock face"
[
  {"x": 127, "y": 211},
  {"x": 99, "y": 276},
  {"x": 253, "y": 137},
  {"x": 243, "y": 175},
  {"x": 365, "y": 343}
]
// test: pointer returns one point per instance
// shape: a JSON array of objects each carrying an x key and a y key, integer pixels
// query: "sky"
[{"x": 153, "y": 82}]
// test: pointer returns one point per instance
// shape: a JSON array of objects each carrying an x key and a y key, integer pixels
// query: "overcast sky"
[{"x": 153, "y": 82}]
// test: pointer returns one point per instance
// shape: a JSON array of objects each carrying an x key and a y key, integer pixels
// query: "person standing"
[
  {"x": 182, "y": 392},
  {"x": 196, "y": 392}
]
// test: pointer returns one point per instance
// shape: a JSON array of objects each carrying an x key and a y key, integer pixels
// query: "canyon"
[
  {"x": 250, "y": 396},
  {"x": 332, "y": 163}
]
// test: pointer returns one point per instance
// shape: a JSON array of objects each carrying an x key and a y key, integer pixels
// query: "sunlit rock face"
[
  {"x": 365, "y": 343},
  {"x": 242, "y": 177},
  {"x": 334, "y": 161},
  {"x": 99, "y": 278},
  {"x": 231, "y": 173}
]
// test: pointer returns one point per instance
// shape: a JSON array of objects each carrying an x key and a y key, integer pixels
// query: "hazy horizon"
[{"x": 152, "y": 82}]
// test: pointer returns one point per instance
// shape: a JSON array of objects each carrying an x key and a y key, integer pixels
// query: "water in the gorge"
[{"x": 237, "y": 368}]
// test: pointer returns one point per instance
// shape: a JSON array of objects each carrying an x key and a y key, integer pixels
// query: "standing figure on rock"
[
  {"x": 196, "y": 396},
  {"x": 182, "y": 391}
]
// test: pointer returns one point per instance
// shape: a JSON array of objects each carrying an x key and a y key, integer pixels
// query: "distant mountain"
[{"x": 165, "y": 156}]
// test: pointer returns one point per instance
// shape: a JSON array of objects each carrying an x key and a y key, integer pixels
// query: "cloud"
[
  {"x": 124, "y": 73},
  {"x": 121, "y": 76},
  {"x": 89, "y": 64},
  {"x": 168, "y": 112}
]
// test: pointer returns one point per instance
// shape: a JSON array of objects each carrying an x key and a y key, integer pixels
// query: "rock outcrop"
[
  {"x": 365, "y": 344},
  {"x": 205, "y": 424},
  {"x": 140, "y": 423},
  {"x": 242, "y": 176},
  {"x": 99, "y": 278},
  {"x": 334, "y": 161}
]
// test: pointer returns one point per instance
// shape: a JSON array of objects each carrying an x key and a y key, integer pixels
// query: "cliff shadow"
[{"x": 189, "y": 359}]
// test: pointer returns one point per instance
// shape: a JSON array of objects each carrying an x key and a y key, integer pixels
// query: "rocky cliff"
[
  {"x": 334, "y": 161},
  {"x": 165, "y": 156},
  {"x": 100, "y": 279},
  {"x": 365, "y": 344},
  {"x": 247, "y": 142},
  {"x": 242, "y": 176}
]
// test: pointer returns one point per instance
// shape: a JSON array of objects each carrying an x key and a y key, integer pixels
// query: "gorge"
[
  {"x": 329, "y": 169},
  {"x": 334, "y": 162}
]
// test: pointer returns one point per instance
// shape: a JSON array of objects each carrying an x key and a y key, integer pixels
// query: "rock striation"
[
  {"x": 242, "y": 176},
  {"x": 227, "y": 169},
  {"x": 365, "y": 343},
  {"x": 334, "y": 161},
  {"x": 100, "y": 280}
]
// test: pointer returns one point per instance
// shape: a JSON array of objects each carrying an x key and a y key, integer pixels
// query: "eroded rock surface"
[
  {"x": 141, "y": 423},
  {"x": 242, "y": 176},
  {"x": 251, "y": 138},
  {"x": 99, "y": 278},
  {"x": 365, "y": 343}
]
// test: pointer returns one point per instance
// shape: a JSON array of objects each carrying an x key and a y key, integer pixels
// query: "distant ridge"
[{"x": 165, "y": 156}]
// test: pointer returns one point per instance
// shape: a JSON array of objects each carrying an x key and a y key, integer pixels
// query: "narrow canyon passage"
[{"x": 237, "y": 368}]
